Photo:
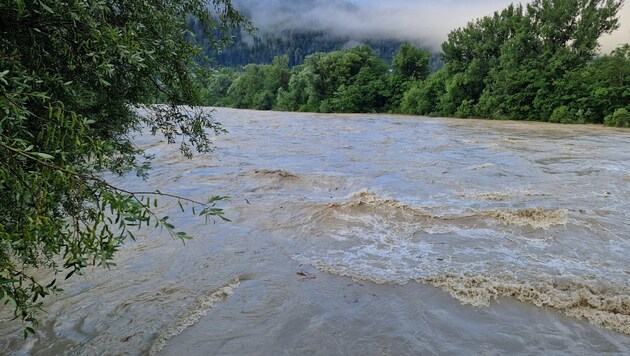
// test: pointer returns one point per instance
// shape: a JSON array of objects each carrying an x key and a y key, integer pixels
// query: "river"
[{"x": 368, "y": 234}]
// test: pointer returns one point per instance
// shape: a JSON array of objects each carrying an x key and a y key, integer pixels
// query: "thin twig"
[{"x": 96, "y": 179}]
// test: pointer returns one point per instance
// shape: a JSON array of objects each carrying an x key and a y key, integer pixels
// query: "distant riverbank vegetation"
[{"x": 527, "y": 62}]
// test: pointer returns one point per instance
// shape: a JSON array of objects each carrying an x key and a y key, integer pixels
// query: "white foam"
[{"x": 193, "y": 314}]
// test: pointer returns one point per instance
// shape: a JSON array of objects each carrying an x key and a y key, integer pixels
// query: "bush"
[
  {"x": 466, "y": 109},
  {"x": 411, "y": 101},
  {"x": 560, "y": 115},
  {"x": 564, "y": 115},
  {"x": 264, "y": 100},
  {"x": 620, "y": 118}
]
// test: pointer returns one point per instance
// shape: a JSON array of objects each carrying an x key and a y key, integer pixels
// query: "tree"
[
  {"x": 553, "y": 39},
  {"x": 597, "y": 90},
  {"x": 257, "y": 87},
  {"x": 409, "y": 64},
  {"x": 300, "y": 94},
  {"x": 523, "y": 63},
  {"x": 351, "y": 80},
  {"x": 71, "y": 75},
  {"x": 471, "y": 53},
  {"x": 216, "y": 87},
  {"x": 423, "y": 97},
  {"x": 363, "y": 92}
]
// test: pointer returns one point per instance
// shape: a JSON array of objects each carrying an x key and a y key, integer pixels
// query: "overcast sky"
[{"x": 424, "y": 22}]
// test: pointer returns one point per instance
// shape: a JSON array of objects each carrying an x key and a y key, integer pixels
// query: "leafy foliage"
[
  {"x": 534, "y": 62},
  {"x": 71, "y": 76},
  {"x": 620, "y": 118},
  {"x": 257, "y": 86},
  {"x": 409, "y": 65},
  {"x": 351, "y": 80}
]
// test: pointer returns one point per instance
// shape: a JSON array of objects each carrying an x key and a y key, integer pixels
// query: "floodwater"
[{"x": 368, "y": 234}]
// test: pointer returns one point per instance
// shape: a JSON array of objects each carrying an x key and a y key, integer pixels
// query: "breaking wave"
[
  {"x": 608, "y": 307},
  {"x": 462, "y": 250},
  {"x": 537, "y": 217},
  {"x": 193, "y": 314},
  {"x": 365, "y": 201}
]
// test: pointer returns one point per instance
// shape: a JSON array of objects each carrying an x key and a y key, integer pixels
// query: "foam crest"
[
  {"x": 481, "y": 166},
  {"x": 608, "y": 307},
  {"x": 606, "y": 304},
  {"x": 537, "y": 217},
  {"x": 288, "y": 181},
  {"x": 503, "y": 195},
  {"x": 366, "y": 198},
  {"x": 193, "y": 314}
]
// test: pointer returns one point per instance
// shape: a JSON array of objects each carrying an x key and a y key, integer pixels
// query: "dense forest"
[
  {"x": 527, "y": 62},
  {"x": 295, "y": 45}
]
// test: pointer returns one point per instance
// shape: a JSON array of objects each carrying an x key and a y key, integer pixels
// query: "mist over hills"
[
  {"x": 298, "y": 44},
  {"x": 422, "y": 22},
  {"x": 301, "y": 27},
  {"x": 298, "y": 28},
  {"x": 425, "y": 23}
]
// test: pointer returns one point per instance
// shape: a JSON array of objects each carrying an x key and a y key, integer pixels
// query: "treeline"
[
  {"x": 532, "y": 62},
  {"x": 351, "y": 80}
]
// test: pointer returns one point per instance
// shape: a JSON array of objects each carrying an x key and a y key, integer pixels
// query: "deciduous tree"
[{"x": 71, "y": 75}]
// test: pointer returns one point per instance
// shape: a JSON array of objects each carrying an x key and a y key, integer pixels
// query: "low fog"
[{"x": 421, "y": 22}]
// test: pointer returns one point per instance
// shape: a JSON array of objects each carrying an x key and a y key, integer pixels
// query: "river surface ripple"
[{"x": 369, "y": 234}]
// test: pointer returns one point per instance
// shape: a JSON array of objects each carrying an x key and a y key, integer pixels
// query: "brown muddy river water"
[{"x": 369, "y": 235}]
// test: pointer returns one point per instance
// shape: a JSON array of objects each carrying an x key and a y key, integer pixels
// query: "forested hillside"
[
  {"x": 262, "y": 48},
  {"x": 294, "y": 45}
]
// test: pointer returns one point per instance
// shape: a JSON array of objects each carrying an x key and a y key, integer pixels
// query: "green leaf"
[
  {"x": 45, "y": 7},
  {"x": 42, "y": 155}
]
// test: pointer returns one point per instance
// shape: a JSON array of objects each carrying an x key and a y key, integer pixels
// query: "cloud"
[
  {"x": 422, "y": 22},
  {"x": 622, "y": 35}
]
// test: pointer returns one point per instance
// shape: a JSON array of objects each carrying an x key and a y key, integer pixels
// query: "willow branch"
[{"x": 95, "y": 179}]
